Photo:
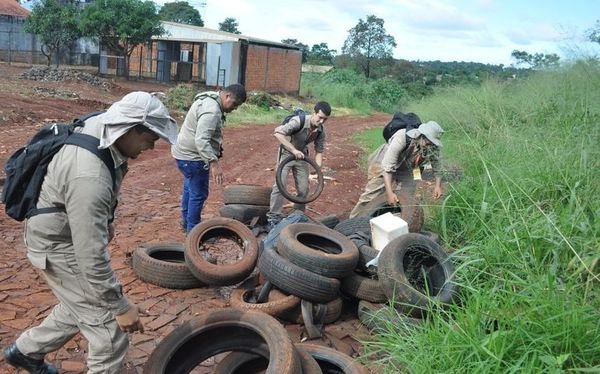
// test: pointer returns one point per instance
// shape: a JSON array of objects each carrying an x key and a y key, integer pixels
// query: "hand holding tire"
[{"x": 281, "y": 182}]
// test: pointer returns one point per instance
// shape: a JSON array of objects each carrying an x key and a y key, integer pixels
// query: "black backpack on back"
[
  {"x": 400, "y": 121},
  {"x": 297, "y": 112},
  {"x": 26, "y": 168}
]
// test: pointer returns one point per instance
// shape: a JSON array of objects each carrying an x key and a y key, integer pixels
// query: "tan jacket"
[
  {"x": 201, "y": 136},
  {"x": 78, "y": 180}
]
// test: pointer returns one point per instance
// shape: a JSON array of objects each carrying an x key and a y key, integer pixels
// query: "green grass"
[{"x": 523, "y": 225}]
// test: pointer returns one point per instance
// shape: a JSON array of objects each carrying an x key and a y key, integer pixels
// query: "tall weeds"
[{"x": 524, "y": 228}]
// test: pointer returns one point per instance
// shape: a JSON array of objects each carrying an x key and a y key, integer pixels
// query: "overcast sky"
[{"x": 447, "y": 30}]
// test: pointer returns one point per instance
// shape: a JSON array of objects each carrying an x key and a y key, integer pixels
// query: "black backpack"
[
  {"x": 26, "y": 168},
  {"x": 297, "y": 112},
  {"x": 400, "y": 121}
]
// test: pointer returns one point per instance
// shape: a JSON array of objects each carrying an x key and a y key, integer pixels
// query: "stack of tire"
[
  {"x": 257, "y": 342},
  {"x": 244, "y": 202},
  {"x": 307, "y": 264}
]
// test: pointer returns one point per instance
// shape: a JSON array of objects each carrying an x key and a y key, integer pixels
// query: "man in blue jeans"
[{"x": 199, "y": 146}]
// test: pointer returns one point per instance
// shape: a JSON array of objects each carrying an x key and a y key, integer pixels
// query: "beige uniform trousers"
[{"x": 76, "y": 312}]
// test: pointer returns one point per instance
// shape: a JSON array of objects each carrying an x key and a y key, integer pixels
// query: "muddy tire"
[
  {"x": 246, "y": 194},
  {"x": 332, "y": 313},
  {"x": 318, "y": 249},
  {"x": 295, "y": 280},
  {"x": 363, "y": 288},
  {"x": 223, "y": 274},
  {"x": 276, "y": 304},
  {"x": 353, "y": 225},
  {"x": 332, "y": 361},
  {"x": 163, "y": 264},
  {"x": 365, "y": 254},
  {"x": 415, "y": 271},
  {"x": 248, "y": 363},
  {"x": 224, "y": 330},
  {"x": 329, "y": 221},
  {"x": 408, "y": 209},
  {"x": 377, "y": 317},
  {"x": 245, "y": 213},
  {"x": 282, "y": 187}
]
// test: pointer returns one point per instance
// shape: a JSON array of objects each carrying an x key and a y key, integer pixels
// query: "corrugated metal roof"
[
  {"x": 12, "y": 8},
  {"x": 188, "y": 33}
]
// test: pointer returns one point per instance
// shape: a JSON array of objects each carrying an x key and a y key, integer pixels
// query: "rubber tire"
[
  {"x": 352, "y": 225},
  {"x": 329, "y": 221},
  {"x": 332, "y": 313},
  {"x": 409, "y": 210},
  {"x": 220, "y": 331},
  {"x": 363, "y": 288},
  {"x": 277, "y": 304},
  {"x": 296, "y": 280},
  {"x": 365, "y": 254},
  {"x": 246, "y": 194},
  {"x": 432, "y": 236},
  {"x": 396, "y": 284},
  {"x": 226, "y": 274},
  {"x": 245, "y": 213},
  {"x": 248, "y": 363},
  {"x": 295, "y": 199},
  {"x": 163, "y": 264},
  {"x": 329, "y": 359},
  {"x": 377, "y": 317},
  {"x": 318, "y": 249}
]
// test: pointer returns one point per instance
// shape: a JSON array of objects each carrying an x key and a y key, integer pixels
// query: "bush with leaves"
[
  {"x": 344, "y": 76},
  {"x": 260, "y": 99},
  {"x": 385, "y": 95},
  {"x": 181, "y": 97}
]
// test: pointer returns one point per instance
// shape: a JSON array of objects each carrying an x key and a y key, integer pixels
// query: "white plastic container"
[{"x": 386, "y": 228}]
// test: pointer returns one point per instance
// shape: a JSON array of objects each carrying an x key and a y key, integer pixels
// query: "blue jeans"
[{"x": 195, "y": 191}]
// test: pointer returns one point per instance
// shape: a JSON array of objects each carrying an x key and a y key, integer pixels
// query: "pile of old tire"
[
  {"x": 244, "y": 203},
  {"x": 224, "y": 274},
  {"x": 163, "y": 264},
  {"x": 308, "y": 261}
]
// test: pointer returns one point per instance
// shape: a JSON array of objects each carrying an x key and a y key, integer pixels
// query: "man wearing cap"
[
  {"x": 397, "y": 161},
  {"x": 199, "y": 146},
  {"x": 69, "y": 244}
]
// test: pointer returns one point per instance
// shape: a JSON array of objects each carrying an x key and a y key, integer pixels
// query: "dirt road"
[{"x": 149, "y": 212}]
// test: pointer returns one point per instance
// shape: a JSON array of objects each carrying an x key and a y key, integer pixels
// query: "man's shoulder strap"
[{"x": 91, "y": 143}]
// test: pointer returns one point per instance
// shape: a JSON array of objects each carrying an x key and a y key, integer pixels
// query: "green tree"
[
  {"x": 593, "y": 34},
  {"x": 121, "y": 25},
  {"x": 320, "y": 54},
  {"x": 230, "y": 24},
  {"x": 368, "y": 42},
  {"x": 55, "y": 24},
  {"x": 180, "y": 12},
  {"x": 303, "y": 47},
  {"x": 536, "y": 61}
]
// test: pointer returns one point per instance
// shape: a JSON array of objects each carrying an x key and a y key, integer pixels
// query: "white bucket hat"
[
  {"x": 138, "y": 108},
  {"x": 431, "y": 130}
]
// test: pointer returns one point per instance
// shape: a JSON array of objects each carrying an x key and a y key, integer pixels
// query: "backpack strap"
[
  {"x": 91, "y": 144},
  {"x": 302, "y": 117}
]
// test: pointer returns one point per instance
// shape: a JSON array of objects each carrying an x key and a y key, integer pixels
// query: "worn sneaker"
[{"x": 13, "y": 356}]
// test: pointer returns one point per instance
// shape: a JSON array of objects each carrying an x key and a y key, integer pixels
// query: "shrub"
[
  {"x": 385, "y": 95},
  {"x": 260, "y": 99},
  {"x": 181, "y": 97}
]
